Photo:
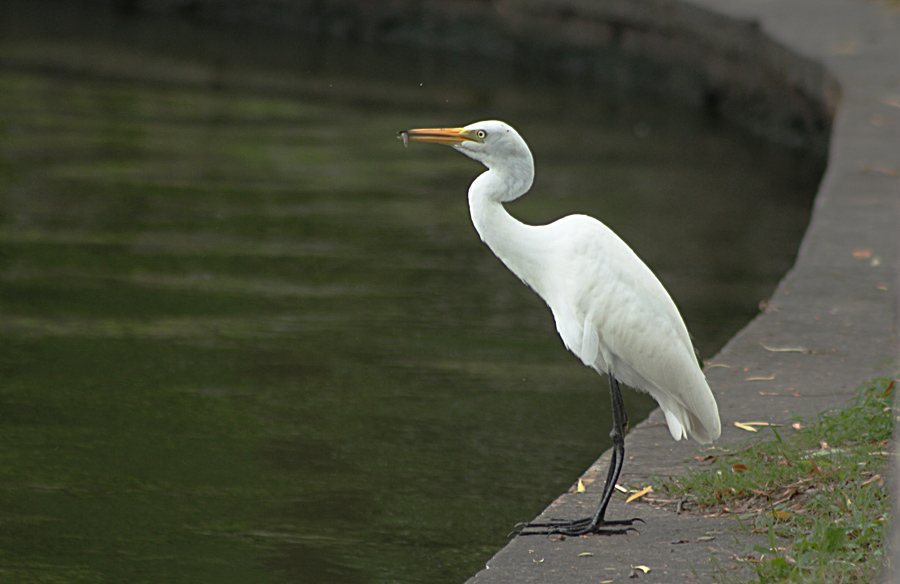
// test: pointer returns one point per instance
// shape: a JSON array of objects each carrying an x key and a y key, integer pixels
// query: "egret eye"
[{"x": 481, "y": 134}]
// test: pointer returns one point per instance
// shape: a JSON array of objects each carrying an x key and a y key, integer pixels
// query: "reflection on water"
[{"x": 247, "y": 337}]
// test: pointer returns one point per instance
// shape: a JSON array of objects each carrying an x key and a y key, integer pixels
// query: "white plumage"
[{"x": 609, "y": 308}]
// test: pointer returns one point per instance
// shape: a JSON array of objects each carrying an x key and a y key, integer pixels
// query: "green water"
[{"x": 246, "y": 337}]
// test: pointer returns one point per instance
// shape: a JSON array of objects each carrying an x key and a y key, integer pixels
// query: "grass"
[{"x": 817, "y": 489}]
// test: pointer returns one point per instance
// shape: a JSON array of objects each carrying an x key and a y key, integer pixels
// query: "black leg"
[
  {"x": 620, "y": 424},
  {"x": 594, "y": 523}
]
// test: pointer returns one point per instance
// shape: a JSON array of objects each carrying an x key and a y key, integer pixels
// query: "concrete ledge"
[{"x": 801, "y": 71}]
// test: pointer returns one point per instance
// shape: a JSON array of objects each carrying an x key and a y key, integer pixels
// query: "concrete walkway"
[{"x": 839, "y": 304}]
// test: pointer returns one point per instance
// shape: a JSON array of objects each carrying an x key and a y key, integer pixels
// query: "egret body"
[{"x": 609, "y": 308}]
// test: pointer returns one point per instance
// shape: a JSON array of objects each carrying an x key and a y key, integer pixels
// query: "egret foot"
[
  {"x": 585, "y": 526},
  {"x": 597, "y": 522}
]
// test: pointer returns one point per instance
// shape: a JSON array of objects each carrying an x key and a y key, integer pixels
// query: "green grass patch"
[{"x": 817, "y": 489}]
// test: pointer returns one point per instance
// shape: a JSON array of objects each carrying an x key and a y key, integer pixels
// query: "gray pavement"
[{"x": 840, "y": 304}]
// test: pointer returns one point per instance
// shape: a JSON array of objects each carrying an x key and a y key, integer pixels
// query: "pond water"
[{"x": 247, "y": 337}]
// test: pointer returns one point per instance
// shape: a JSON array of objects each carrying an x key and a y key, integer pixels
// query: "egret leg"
[{"x": 597, "y": 521}]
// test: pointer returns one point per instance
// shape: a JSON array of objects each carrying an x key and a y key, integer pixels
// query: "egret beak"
[{"x": 447, "y": 136}]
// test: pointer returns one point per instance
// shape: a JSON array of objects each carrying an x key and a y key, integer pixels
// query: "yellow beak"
[{"x": 436, "y": 135}]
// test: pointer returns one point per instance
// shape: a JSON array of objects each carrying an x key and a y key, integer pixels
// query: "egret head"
[{"x": 494, "y": 144}]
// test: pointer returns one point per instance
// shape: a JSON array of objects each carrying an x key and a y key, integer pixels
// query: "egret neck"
[{"x": 520, "y": 247}]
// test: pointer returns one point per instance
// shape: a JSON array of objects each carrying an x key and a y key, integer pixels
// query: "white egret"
[{"x": 610, "y": 310}]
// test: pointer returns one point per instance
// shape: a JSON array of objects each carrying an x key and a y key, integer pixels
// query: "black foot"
[{"x": 584, "y": 526}]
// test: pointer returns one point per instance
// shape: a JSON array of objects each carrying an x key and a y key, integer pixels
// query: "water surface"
[{"x": 247, "y": 337}]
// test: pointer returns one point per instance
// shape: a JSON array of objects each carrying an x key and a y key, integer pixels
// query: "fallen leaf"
[
  {"x": 770, "y": 378},
  {"x": 787, "y": 495},
  {"x": 584, "y": 554},
  {"x": 639, "y": 494},
  {"x": 885, "y": 170},
  {"x": 815, "y": 468},
  {"x": 705, "y": 538},
  {"x": 785, "y": 349},
  {"x": 751, "y": 426},
  {"x": 873, "y": 479},
  {"x": 580, "y": 488},
  {"x": 738, "y": 467},
  {"x": 845, "y": 47},
  {"x": 643, "y": 569}
]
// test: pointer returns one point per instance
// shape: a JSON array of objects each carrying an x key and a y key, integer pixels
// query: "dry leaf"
[
  {"x": 750, "y": 426},
  {"x": 845, "y": 47},
  {"x": 738, "y": 467},
  {"x": 770, "y": 378},
  {"x": 643, "y": 569},
  {"x": 815, "y": 468},
  {"x": 639, "y": 494},
  {"x": 872, "y": 479},
  {"x": 580, "y": 488},
  {"x": 885, "y": 170},
  {"x": 785, "y": 349}
]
